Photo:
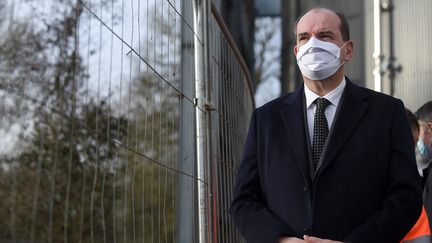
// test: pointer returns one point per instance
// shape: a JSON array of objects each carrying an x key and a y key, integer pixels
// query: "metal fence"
[
  {"x": 122, "y": 121},
  {"x": 234, "y": 99}
]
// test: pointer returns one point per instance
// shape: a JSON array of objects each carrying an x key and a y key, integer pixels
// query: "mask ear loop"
[
  {"x": 344, "y": 61},
  {"x": 340, "y": 48}
]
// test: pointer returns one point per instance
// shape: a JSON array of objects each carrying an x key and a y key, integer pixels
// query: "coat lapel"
[
  {"x": 292, "y": 116},
  {"x": 353, "y": 106}
]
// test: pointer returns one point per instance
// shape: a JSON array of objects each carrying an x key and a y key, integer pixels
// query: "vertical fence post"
[
  {"x": 186, "y": 186},
  {"x": 201, "y": 15}
]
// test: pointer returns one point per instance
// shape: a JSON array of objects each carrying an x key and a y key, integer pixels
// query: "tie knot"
[{"x": 322, "y": 103}]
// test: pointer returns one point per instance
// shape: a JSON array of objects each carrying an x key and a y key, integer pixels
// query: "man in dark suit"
[{"x": 331, "y": 161}]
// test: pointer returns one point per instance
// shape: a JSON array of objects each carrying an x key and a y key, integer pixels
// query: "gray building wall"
[{"x": 413, "y": 32}]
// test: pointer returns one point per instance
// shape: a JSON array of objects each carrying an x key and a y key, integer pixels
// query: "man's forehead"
[{"x": 319, "y": 20}]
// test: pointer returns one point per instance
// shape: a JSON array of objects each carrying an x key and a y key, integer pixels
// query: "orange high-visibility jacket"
[{"x": 420, "y": 232}]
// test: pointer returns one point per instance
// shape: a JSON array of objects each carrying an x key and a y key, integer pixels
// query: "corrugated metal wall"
[{"x": 413, "y": 32}]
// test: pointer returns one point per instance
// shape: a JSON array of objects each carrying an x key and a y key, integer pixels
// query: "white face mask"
[{"x": 318, "y": 59}]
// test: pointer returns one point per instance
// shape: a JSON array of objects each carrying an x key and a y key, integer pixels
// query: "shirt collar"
[{"x": 332, "y": 96}]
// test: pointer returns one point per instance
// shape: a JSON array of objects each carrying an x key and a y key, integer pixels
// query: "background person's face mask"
[
  {"x": 424, "y": 149},
  {"x": 318, "y": 59},
  {"x": 423, "y": 159}
]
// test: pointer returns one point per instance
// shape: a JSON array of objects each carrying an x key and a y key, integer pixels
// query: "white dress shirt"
[{"x": 333, "y": 96}]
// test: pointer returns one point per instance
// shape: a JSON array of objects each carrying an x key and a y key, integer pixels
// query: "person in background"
[
  {"x": 414, "y": 124},
  {"x": 420, "y": 232},
  {"x": 424, "y": 144},
  {"x": 424, "y": 153},
  {"x": 331, "y": 161}
]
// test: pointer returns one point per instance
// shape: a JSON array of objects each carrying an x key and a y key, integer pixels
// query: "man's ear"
[
  {"x": 349, "y": 50},
  {"x": 295, "y": 50}
]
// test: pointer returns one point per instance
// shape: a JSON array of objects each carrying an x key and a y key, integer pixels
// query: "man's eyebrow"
[
  {"x": 326, "y": 33},
  {"x": 303, "y": 34}
]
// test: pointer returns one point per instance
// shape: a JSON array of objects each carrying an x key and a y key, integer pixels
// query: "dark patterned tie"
[{"x": 320, "y": 130}]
